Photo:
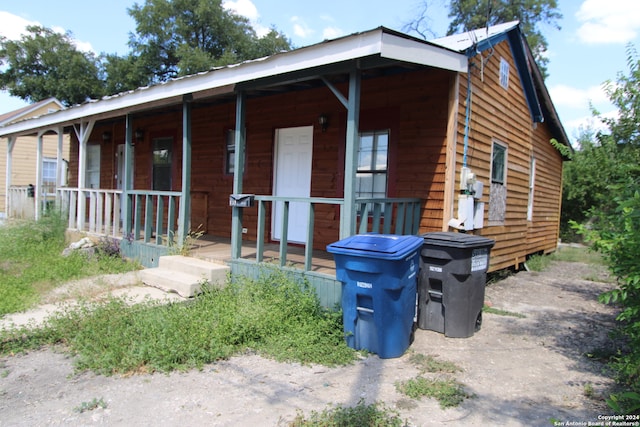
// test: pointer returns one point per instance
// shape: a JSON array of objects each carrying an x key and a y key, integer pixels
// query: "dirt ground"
[{"x": 519, "y": 371}]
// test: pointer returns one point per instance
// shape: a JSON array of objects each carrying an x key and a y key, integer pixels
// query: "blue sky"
[{"x": 590, "y": 48}]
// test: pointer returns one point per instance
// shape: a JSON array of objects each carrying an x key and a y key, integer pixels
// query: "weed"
[
  {"x": 499, "y": 312},
  {"x": 90, "y": 406},
  {"x": 538, "y": 263},
  {"x": 428, "y": 363},
  {"x": 184, "y": 248},
  {"x": 32, "y": 263},
  {"x": 447, "y": 392},
  {"x": 273, "y": 315},
  {"x": 374, "y": 414},
  {"x": 588, "y": 391}
]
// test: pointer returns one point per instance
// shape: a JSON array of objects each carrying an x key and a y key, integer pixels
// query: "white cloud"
[
  {"x": 331, "y": 33},
  {"x": 12, "y": 27},
  {"x": 300, "y": 28},
  {"x": 572, "y": 97},
  {"x": 249, "y": 10},
  {"x": 608, "y": 21}
]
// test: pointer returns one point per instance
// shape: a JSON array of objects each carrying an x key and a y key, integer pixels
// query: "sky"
[{"x": 589, "y": 49}]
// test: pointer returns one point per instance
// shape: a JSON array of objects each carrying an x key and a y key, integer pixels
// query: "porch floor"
[{"x": 218, "y": 249}]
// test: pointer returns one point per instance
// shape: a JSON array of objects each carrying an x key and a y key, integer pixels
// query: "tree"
[
  {"x": 44, "y": 64},
  {"x": 473, "y": 14},
  {"x": 179, "y": 37},
  {"x": 612, "y": 170}
]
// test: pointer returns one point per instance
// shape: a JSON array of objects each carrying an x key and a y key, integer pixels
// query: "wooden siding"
[
  {"x": 503, "y": 115},
  {"x": 413, "y": 106}
]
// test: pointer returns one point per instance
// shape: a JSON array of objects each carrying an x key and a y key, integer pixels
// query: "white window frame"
[
  {"x": 504, "y": 148},
  {"x": 49, "y": 175},
  {"x": 504, "y": 73},
  {"x": 532, "y": 184},
  {"x": 92, "y": 177},
  {"x": 373, "y": 170}
]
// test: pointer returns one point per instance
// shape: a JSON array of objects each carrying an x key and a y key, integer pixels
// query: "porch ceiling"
[{"x": 376, "y": 51}]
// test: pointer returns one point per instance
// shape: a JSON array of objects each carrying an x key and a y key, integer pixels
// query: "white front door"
[{"x": 294, "y": 148}]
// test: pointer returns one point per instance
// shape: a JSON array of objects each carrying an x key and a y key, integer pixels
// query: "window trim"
[
  {"x": 532, "y": 188},
  {"x": 504, "y": 148},
  {"x": 169, "y": 166},
  {"x": 503, "y": 73},
  {"x": 372, "y": 170}
]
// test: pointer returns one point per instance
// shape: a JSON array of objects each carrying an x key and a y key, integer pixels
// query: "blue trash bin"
[{"x": 379, "y": 286}]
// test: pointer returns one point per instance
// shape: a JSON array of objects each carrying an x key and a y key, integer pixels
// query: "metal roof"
[{"x": 381, "y": 45}]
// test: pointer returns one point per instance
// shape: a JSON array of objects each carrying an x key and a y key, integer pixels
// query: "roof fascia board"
[
  {"x": 485, "y": 44},
  {"x": 336, "y": 51},
  {"x": 423, "y": 53},
  {"x": 520, "y": 58}
]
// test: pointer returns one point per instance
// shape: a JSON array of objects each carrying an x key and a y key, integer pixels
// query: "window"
[
  {"x": 504, "y": 73},
  {"x": 498, "y": 161},
  {"x": 230, "y": 152},
  {"x": 92, "y": 179},
  {"x": 49, "y": 171},
  {"x": 162, "y": 148},
  {"x": 498, "y": 190},
  {"x": 371, "y": 175},
  {"x": 532, "y": 180}
]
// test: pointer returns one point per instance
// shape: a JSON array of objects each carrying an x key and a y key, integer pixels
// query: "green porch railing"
[
  {"x": 400, "y": 216},
  {"x": 155, "y": 216}
]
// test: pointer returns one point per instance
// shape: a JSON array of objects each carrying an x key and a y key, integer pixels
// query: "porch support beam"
[
  {"x": 59, "y": 159},
  {"x": 127, "y": 179},
  {"x": 348, "y": 223},
  {"x": 240, "y": 138},
  {"x": 8, "y": 170},
  {"x": 344, "y": 101},
  {"x": 83, "y": 131},
  {"x": 38, "y": 192},
  {"x": 185, "y": 199}
]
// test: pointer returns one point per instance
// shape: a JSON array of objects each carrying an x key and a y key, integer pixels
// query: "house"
[
  {"x": 23, "y": 158},
  {"x": 376, "y": 131}
]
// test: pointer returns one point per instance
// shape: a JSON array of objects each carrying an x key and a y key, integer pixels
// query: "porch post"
[
  {"x": 348, "y": 223},
  {"x": 238, "y": 173},
  {"x": 38, "y": 184},
  {"x": 83, "y": 133},
  {"x": 59, "y": 170},
  {"x": 185, "y": 199},
  {"x": 127, "y": 179},
  {"x": 7, "y": 199}
]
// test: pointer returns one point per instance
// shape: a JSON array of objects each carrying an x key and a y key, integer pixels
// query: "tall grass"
[
  {"x": 31, "y": 262},
  {"x": 273, "y": 315}
]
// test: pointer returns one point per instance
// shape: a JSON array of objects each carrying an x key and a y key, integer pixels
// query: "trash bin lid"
[
  {"x": 381, "y": 246},
  {"x": 457, "y": 240}
]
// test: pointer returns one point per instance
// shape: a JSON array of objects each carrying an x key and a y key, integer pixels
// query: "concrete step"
[
  {"x": 184, "y": 275},
  {"x": 214, "y": 273}
]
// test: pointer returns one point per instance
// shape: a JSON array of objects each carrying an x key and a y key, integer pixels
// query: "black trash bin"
[
  {"x": 451, "y": 285},
  {"x": 379, "y": 274}
]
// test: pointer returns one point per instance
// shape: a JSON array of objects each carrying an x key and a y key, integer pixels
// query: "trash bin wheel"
[{"x": 479, "y": 321}]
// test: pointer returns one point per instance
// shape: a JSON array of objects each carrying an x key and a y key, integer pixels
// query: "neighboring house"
[
  {"x": 24, "y": 157},
  {"x": 369, "y": 132}
]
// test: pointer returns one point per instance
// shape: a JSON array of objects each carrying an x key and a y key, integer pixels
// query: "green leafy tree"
[
  {"x": 179, "y": 37},
  {"x": 474, "y": 14},
  {"x": 614, "y": 227},
  {"x": 123, "y": 73},
  {"x": 44, "y": 64}
]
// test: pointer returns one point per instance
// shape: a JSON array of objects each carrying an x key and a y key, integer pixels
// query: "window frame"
[
  {"x": 503, "y": 73},
  {"x": 373, "y": 170},
  {"x": 93, "y": 166},
  {"x": 504, "y": 149},
  {"x": 168, "y": 166}
]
